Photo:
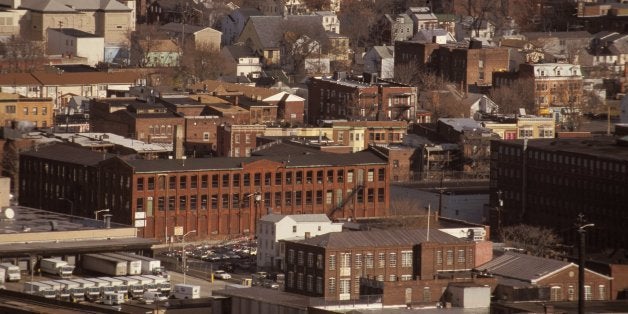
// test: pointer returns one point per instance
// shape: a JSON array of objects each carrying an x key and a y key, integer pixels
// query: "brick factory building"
[
  {"x": 345, "y": 265},
  {"x": 548, "y": 182},
  {"x": 214, "y": 196}
]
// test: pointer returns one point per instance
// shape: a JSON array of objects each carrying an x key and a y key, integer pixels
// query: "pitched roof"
[
  {"x": 185, "y": 28},
  {"x": 18, "y": 79},
  {"x": 76, "y": 78},
  {"x": 75, "y": 33},
  {"x": 522, "y": 267},
  {"x": 385, "y": 52},
  {"x": 379, "y": 238},
  {"x": 73, "y": 5},
  {"x": 297, "y": 218},
  {"x": 249, "y": 91},
  {"x": 240, "y": 51},
  {"x": 68, "y": 153},
  {"x": 199, "y": 164},
  {"x": 279, "y": 96},
  {"x": 270, "y": 29}
]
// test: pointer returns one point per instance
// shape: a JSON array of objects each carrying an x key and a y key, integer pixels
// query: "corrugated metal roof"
[
  {"x": 522, "y": 267},
  {"x": 68, "y": 153},
  {"x": 379, "y": 238}
]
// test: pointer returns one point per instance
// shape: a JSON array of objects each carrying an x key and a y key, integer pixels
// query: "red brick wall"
[
  {"x": 619, "y": 284},
  {"x": 430, "y": 264},
  {"x": 483, "y": 252},
  {"x": 569, "y": 277},
  {"x": 395, "y": 292}
]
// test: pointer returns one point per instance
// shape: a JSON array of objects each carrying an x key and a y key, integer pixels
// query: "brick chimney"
[{"x": 178, "y": 142}]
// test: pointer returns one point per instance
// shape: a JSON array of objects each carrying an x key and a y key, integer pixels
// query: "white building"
[
  {"x": 380, "y": 60},
  {"x": 73, "y": 42},
  {"x": 273, "y": 227},
  {"x": 330, "y": 21}
]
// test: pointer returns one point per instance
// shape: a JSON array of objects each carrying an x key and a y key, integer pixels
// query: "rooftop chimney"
[
  {"x": 107, "y": 218},
  {"x": 178, "y": 142}
]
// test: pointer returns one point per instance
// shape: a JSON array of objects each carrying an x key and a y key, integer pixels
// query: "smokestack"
[{"x": 178, "y": 142}]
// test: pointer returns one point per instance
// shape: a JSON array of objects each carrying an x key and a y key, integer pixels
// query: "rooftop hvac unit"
[{"x": 476, "y": 234}]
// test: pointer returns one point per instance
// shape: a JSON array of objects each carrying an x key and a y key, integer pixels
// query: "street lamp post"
[
  {"x": 581, "y": 252},
  {"x": 183, "y": 256},
  {"x": 71, "y": 204}
]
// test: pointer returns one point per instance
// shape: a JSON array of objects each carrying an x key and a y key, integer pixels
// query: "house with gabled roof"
[
  {"x": 380, "y": 60},
  {"x": 194, "y": 35},
  {"x": 275, "y": 227},
  {"x": 522, "y": 277},
  {"x": 233, "y": 23}
]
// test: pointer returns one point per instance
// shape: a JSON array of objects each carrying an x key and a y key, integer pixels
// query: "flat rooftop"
[{"x": 29, "y": 220}]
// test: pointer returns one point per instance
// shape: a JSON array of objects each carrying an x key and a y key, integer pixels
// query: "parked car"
[
  {"x": 221, "y": 274},
  {"x": 270, "y": 284}
]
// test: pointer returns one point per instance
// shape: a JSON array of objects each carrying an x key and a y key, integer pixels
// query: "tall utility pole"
[{"x": 581, "y": 224}]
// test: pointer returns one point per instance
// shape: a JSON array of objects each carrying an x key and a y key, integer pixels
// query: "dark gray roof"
[
  {"x": 285, "y": 149},
  {"x": 605, "y": 147},
  {"x": 200, "y": 164},
  {"x": 248, "y": 12},
  {"x": 270, "y": 29},
  {"x": 68, "y": 153},
  {"x": 522, "y": 267},
  {"x": 75, "y": 33},
  {"x": 379, "y": 238},
  {"x": 240, "y": 51}
]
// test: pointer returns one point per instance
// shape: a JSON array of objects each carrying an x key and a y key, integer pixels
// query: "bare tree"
[
  {"x": 510, "y": 98},
  {"x": 356, "y": 20},
  {"x": 11, "y": 162},
  {"x": 21, "y": 55},
  {"x": 537, "y": 241},
  {"x": 301, "y": 42},
  {"x": 143, "y": 41},
  {"x": 317, "y": 5}
]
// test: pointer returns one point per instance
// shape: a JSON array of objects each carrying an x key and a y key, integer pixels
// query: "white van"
[
  {"x": 152, "y": 296},
  {"x": 112, "y": 298},
  {"x": 182, "y": 291}
]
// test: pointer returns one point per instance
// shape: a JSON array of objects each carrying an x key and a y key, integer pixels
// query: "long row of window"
[
  {"x": 244, "y": 200},
  {"x": 258, "y": 179},
  {"x": 461, "y": 256},
  {"x": 360, "y": 260}
]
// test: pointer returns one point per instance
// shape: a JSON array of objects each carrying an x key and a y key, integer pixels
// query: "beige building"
[
  {"x": 110, "y": 19},
  {"x": 530, "y": 127},
  {"x": 15, "y": 108},
  {"x": 198, "y": 36},
  {"x": 73, "y": 42}
]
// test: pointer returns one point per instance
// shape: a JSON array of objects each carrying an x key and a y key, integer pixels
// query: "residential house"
[
  {"x": 265, "y": 34},
  {"x": 553, "y": 84},
  {"x": 397, "y": 27},
  {"x": 580, "y": 168},
  {"x": 608, "y": 50},
  {"x": 340, "y": 266},
  {"x": 233, "y": 24},
  {"x": 361, "y": 134},
  {"x": 56, "y": 84},
  {"x": 74, "y": 42},
  {"x": 522, "y": 277},
  {"x": 435, "y": 35},
  {"x": 561, "y": 46},
  {"x": 209, "y": 195},
  {"x": 330, "y": 21},
  {"x": 342, "y": 97},
  {"x": 279, "y": 7},
  {"x": 15, "y": 108},
  {"x": 155, "y": 52},
  {"x": 241, "y": 61},
  {"x": 380, "y": 60},
  {"x": 11, "y": 22},
  {"x": 468, "y": 28},
  {"x": 273, "y": 228},
  {"x": 198, "y": 37},
  {"x": 137, "y": 119},
  {"x": 472, "y": 66},
  {"x": 423, "y": 18},
  {"x": 290, "y": 108}
]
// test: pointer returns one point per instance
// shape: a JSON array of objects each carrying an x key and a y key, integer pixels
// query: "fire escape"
[{"x": 344, "y": 202}]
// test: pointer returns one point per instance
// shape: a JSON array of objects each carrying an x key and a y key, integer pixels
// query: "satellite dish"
[{"x": 8, "y": 213}]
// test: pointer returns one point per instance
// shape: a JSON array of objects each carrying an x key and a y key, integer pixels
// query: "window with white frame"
[
  {"x": 331, "y": 285},
  {"x": 369, "y": 260},
  {"x": 406, "y": 277},
  {"x": 300, "y": 281},
  {"x": 332, "y": 262},
  {"x": 461, "y": 256},
  {"x": 345, "y": 286},
  {"x": 345, "y": 260},
  {"x": 406, "y": 258},
  {"x": 358, "y": 261},
  {"x": 450, "y": 257},
  {"x": 601, "y": 290},
  {"x": 380, "y": 277},
  {"x": 392, "y": 259},
  {"x": 392, "y": 278},
  {"x": 382, "y": 260},
  {"x": 439, "y": 257},
  {"x": 588, "y": 294}
]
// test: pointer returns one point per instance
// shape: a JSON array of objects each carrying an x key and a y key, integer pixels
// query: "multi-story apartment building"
[
  {"x": 273, "y": 227},
  {"x": 238, "y": 140},
  {"x": 15, "y": 108},
  {"x": 137, "y": 119},
  {"x": 552, "y": 84},
  {"x": 523, "y": 127},
  {"x": 343, "y": 97},
  {"x": 360, "y": 134},
  {"x": 548, "y": 182},
  {"x": 472, "y": 65},
  {"x": 340, "y": 265},
  {"x": 214, "y": 196},
  {"x": 111, "y": 19}
]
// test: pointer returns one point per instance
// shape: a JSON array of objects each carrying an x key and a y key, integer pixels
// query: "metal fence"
[{"x": 371, "y": 301}]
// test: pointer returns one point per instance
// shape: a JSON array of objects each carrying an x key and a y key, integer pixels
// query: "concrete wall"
[
  {"x": 50, "y": 236},
  {"x": 470, "y": 297},
  {"x": 5, "y": 191}
]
